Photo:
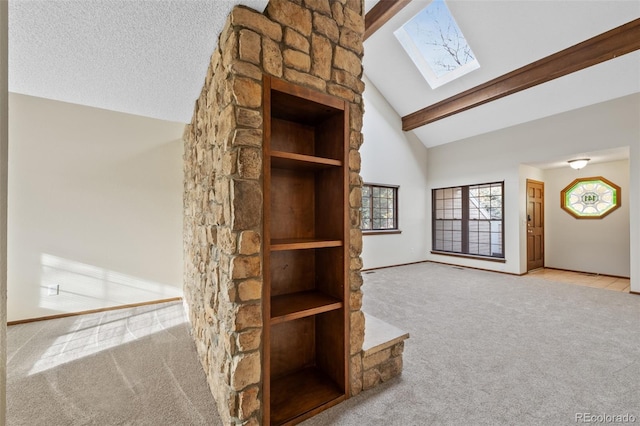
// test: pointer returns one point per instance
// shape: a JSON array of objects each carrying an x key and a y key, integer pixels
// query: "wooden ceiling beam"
[
  {"x": 611, "y": 44},
  {"x": 380, "y": 14}
]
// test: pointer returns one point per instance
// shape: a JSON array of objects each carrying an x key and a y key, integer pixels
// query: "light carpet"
[
  {"x": 495, "y": 349},
  {"x": 485, "y": 349},
  {"x": 134, "y": 366}
]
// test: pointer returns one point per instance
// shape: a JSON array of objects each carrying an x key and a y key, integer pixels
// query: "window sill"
[
  {"x": 470, "y": 256},
  {"x": 381, "y": 232}
]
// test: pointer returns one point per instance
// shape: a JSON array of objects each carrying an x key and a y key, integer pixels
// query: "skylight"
[{"x": 436, "y": 45}]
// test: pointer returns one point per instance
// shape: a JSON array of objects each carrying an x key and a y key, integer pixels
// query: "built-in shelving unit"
[{"x": 306, "y": 333}]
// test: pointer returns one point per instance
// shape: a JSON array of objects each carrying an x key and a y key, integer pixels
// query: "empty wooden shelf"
[
  {"x": 299, "y": 305},
  {"x": 312, "y": 384},
  {"x": 288, "y": 160},
  {"x": 303, "y": 243},
  {"x": 306, "y": 231}
]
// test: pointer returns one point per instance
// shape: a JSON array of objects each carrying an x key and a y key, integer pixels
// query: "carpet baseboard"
[
  {"x": 394, "y": 266},
  {"x": 93, "y": 311},
  {"x": 587, "y": 273},
  {"x": 476, "y": 268},
  {"x": 441, "y": 263}
]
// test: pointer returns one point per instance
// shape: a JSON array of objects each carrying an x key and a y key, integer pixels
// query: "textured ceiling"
[
  {"x": 146, "y": 58},
  {"x": 149, "y": 57}
]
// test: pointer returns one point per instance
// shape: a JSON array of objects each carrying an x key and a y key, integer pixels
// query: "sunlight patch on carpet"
[{"x": 92, "y": 334}]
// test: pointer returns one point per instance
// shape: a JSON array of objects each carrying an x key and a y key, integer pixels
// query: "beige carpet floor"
[
  {"x": 485, "y": 349},
  {"x": 133, "y": 366},
  {"x": 495, "y": 349}
]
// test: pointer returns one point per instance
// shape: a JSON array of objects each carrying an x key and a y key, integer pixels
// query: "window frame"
[
  {"x": 566, "y": 192},
  {"x": 465, "y": 221},
  {"x": 395, "y": 209},
  {"x": 423, "y": 60}
]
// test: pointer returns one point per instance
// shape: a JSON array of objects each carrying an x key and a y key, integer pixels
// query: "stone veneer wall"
[
  {"x": 381, "y": 365},
  {"x": 313, "y": 43}
]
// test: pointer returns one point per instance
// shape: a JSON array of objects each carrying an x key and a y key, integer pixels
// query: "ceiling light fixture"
[{"x": 578, "y": 163}]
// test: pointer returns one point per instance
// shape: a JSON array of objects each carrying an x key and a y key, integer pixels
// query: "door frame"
[{"x": 527, "y": 221}]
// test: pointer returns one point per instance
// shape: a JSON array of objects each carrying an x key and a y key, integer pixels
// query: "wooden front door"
[{"x": 535, "y": 224}]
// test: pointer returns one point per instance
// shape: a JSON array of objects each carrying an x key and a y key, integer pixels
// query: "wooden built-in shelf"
[
  {"x": 300, "y": 395},
  {"x": 289, "y": 160},
  {"x": 303, "y": 243},
  {"x": 306, "y": 340},
  {"x": 299, "y": 305}
]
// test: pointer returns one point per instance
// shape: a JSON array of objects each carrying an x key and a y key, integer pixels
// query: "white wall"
[
  {"x": 570, "y": 243},
  {"x": 4, "y": 132},
  {"x": 390, "y": 156},
  {"x": 95, "y": 206},
  {"x": 468, "y": 163},
  {"x": 634, "y": 206},
  {"x": 500, "y": 155}
]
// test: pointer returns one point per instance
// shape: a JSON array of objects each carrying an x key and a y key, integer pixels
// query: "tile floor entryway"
[{"x": 584, "y": 279}]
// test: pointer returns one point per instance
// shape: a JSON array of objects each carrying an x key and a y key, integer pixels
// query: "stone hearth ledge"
[{"x": 381, "y": 352}]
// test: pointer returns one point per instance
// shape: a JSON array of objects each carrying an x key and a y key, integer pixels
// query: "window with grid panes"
[
  {"x": 469, "y": 220},
  {"x": 379, "y": 207}
]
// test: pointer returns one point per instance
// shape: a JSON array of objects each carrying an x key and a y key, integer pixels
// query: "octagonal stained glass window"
[{"x": 590, "y": 198}]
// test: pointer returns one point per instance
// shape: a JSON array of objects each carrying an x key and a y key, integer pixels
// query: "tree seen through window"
[{"x": 379, "y": 207}]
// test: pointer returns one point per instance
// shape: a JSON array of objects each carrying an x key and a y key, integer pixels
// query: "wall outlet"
[{"x": 53, "y": 290}]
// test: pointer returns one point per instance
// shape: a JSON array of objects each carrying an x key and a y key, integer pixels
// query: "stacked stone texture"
[
  {"x": 380, "y": 366},
  {"x": 313, "y": 43}
]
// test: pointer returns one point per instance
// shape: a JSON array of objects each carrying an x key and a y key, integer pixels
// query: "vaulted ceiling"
[
  {"x": 506, "y": 35},
  {"x": 149, "y": 57}
]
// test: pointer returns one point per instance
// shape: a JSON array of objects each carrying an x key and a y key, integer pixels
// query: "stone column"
[{"x": 313, "y": 43}]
